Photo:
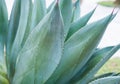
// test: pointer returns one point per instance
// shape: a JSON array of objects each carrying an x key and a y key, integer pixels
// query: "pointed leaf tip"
[
  {"x": 96, "y": 7},
  {"x": 115, "y": 11},
  {"x": 118, "y": 45},
  {"x": 48, "y": 36},
  {"x": 57, "y": 1}
]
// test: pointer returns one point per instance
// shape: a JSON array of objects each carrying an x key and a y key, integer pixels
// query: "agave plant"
[{"x": 53, "y": 45}]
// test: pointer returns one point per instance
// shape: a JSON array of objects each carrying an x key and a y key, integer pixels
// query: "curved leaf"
[
  {"x": 38, "y": 12},
  {"x": 12, "y": 30},
  {"x": 42, "y": 50},
  {"x": 29, "y": 22},
  {"x": 95, "y": 58},
  {"x": 13, "y": 24},
  {"x": 107, "y": 80},
  {"x": 75, "y": 26},
  {"x": 66, "y": 11},
  {"x": 105, "y": 75},
  {"x": 78, "y": 50},
  {"x": 22, "y": 25},
  {"x": 3, "y": 29},
  {"x": 91, "y": 73},
  {"x": 76, "y": 11}
]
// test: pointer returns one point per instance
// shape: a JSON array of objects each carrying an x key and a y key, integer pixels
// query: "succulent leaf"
[
  {"x": 81, "y": 22},
  {"x": 76, "y": 11},
  {"x": 66, "y": 10},
  {"x": 17, "y": 44},
  {"x": 42, "y": 50},
  {"x": 3, "y": 29},
  {"x": 95, "y": 58},
  {"x": 105, "y": 75},
  {"x": 77, "y": 50},
  {"x": 29, "y": 22},
  {"x": 107, "y": 80},
  {"x": 38, "y": 12},
  {"x": 13, "y": 24},
  {"x": 91, "y": 73},
  {"x": 52, "y": 45}
]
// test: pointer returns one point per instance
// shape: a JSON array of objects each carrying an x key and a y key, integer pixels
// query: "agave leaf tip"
[
  {"x": 118, "y": 45},
  {"x": 116, "y": 12},
  {"x": 57, "y": 1}
]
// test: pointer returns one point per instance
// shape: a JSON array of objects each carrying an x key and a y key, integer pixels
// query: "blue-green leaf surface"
[
  {"x": 13, "y": 24},
  {"x": 17, "y": 44},
  {"x": 81, "y": 22},
  {"x": 105, "y": 75},
  {"x": 107, "y": 80},
  {"x": 78, "y": 50},
  {"x": 76, "y": 11},
  {"x": 12, "y": 30},
  {"x": 38, "y": 12},
  {"x": 95, "y": 58},
  {"x": 66, "y": 10},
  {"x": 3, "y": 34},
  {"x": 29, "y": 22},
  {"x": 3, "y": 29},
  {"x": 42, "y": 50},
  {"x": 91, "y": 73}
]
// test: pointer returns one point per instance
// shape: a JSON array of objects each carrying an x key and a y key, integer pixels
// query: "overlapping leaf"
[
  {"x": 12, "y": 30},
  {"x": 76, "y": 11},
  {"x": 86, "y": 78},
  {"x": 95, "y": 58},
  {"x": 66, "y": 10},
  {"x": 20, "y": 32},
  {"x": 107, "y": 80},
  {"x": 42, "y": 50},
  {"x": 81, "y": 22},
  {"x": 78, "y": 50},
  {"x": 38, "y": 12},
  {"x": 3, "y": 29},
  {"x": 109, "y": 74},
  {"x": 13, "y": 24},
  {"x": 35, "y": 44},
  {"x": 3, "y": 33}
]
